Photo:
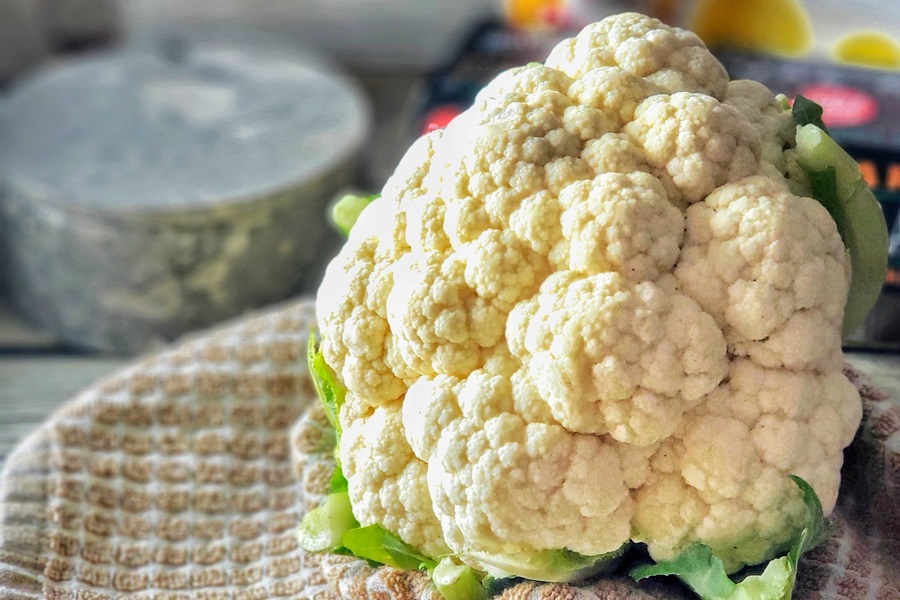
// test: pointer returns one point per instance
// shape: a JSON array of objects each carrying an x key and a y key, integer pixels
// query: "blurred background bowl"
[{"x": 166, "y": 186}]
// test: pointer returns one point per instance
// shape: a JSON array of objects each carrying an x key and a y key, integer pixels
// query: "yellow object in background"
[
  {"x": 867, "y": 49},
  {"x": 530, "y": 14},
  {"x": 773, "y": 26}
]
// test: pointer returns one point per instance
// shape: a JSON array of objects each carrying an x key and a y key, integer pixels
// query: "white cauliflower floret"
[
  {"x": 350, "y": 305},
  {"x": 614, "y": 92},
  {"x": 504, "y": 169},
  {"x": 618, "y": 153},
  {"x": 479, "y": 449},
  {"x": 514, "y": 150},
  {"x": 608, "y": 356},
  {"x": 619, "y": 223},
  {"x": 614, "y": 153},
  {"x": 591, "y": 311},
  {"x": 358, "y": 281},
  {"x": 442, "y": 324},
  {"x": 728, "y": 466},
  {"x": 386, "y": 481},
  {"x": 529, "y": 84},
  {"x": 770, "y": 268},
  {"x": 767, "y": 115},
  {"x": 502, "y": 268},
  {"x": 673, "y": 59},
  {"x": 700, "y": 142}
]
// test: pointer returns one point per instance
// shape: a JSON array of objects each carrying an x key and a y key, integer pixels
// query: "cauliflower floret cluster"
[{"x": 594, "y": 309}]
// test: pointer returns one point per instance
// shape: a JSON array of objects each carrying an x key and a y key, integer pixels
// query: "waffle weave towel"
[{"x": 184, "y": 476}]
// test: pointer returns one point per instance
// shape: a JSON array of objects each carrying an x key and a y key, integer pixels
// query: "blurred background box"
[
  {"x": 842, "y": 31},
  {"x": 383, "y": 34},
  {"x": 79, "y": 259},
  {"x": 78, "y": 23}
]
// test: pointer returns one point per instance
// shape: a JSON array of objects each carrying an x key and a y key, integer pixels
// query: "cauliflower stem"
[
  {"x": 322, "y": 529},
  {"x": 705, "y": 574},
  {"x": 836, "y": 182},
  {"x": 457, "y": 582},
  {"x": 549, "y": 565}
]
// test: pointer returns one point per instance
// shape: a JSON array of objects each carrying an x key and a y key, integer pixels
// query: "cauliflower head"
[{"x": 599, "y": 307}]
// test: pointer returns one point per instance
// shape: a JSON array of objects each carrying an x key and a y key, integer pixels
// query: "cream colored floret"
[
  {"x": 700, "y": 142},
  {"x": 386, "y": 481},
  {"x": 724, "y": 482},
  {"x": 618, "y": 223},
  {"x": 493, "y": 474},
  {"x": 612, "y": 357},
  {"x": 671, "y": 58},
  {"x": 771, "y": 269}
]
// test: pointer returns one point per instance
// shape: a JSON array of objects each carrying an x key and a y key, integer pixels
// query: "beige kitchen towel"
[{"x": 184, "y": 476}]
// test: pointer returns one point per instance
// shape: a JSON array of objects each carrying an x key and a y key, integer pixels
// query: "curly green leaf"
[
  {"x": 330, "y": 391},
  {"x": 807, "y": 112},
  {"x": 378, "y": 545},
  {"x": 705, "y": 574}
]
